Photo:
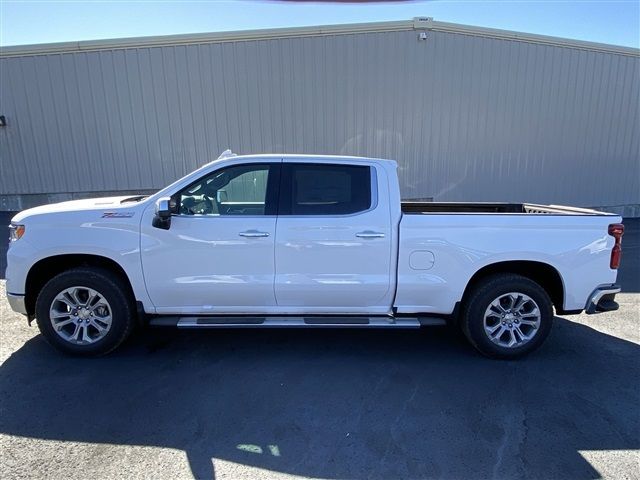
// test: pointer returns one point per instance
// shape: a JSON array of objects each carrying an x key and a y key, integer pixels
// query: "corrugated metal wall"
[{"x": 469, "y": 118}]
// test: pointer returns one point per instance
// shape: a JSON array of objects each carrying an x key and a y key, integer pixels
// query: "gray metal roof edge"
[
  {"x": 418, "y": 23},
  {"x": 196, "y": 38},
  {"x": 534, "y": 38}
]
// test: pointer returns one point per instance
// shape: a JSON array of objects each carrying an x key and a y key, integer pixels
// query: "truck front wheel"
[
  {"x": 507, "y": 316},
  {"x": 85, "y": 311}
]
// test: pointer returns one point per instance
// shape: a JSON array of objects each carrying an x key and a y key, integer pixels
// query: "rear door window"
[{"x": 325, "y": 189}]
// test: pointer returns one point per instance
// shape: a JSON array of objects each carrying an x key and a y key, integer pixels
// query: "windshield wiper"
[{"x": 135, "y": 198}]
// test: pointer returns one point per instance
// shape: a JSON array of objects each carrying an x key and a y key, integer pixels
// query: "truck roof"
[{"x": 228, "y": 154}]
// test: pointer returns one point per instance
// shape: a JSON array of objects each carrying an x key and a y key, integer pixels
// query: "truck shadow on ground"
[{"x": 338, "y": 404}]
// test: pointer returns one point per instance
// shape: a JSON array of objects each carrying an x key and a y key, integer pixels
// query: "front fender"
[{"x": 112, "y": 239}]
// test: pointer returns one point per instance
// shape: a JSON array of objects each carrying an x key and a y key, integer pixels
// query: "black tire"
[
  {"x": 111, "y": 287},
  {"x": 472, "y": 319}
]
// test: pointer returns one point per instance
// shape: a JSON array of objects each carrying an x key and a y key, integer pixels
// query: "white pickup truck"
[{"x": 306, "y": 241}]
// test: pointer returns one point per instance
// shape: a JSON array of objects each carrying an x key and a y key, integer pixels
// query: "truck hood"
[{"x": 109, "y": 206}]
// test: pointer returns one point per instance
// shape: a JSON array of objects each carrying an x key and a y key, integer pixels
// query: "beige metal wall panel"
[{"x": 469, "y": 117}]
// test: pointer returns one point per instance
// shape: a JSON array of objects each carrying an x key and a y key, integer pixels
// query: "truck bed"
[{"x": 415, "y": 208}]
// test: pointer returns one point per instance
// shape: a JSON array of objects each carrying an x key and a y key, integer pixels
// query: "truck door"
[
  {"x": 218, "y": 254},
  {"x": 333, "y": 238}
]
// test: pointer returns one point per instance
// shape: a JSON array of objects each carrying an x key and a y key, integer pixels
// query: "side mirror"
[{"x": 162, "y": 218}]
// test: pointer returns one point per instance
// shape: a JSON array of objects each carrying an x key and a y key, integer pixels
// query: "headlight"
[{"x": 16, "y": 232}]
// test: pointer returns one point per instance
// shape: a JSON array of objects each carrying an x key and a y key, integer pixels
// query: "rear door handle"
[
  {"x": 253, "y": 234},
  {"x": 370, "y": 234}
]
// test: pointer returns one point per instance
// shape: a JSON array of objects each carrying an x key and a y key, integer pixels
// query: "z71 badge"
[{"x": 117, "y": 214}]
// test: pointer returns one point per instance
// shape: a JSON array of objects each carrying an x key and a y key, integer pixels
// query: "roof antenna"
[{"x": 226, "y": 154}]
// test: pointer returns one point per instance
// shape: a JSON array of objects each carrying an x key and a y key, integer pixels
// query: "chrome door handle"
[
  {"x": 370, "y": 234},
  {"x": 253, "y": 234}
]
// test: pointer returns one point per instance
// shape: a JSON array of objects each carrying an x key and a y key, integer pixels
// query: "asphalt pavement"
[{"x": 327, "y": 404}]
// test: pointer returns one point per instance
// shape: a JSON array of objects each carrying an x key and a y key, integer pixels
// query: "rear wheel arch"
[
  {"x": 542, "y": 273},
  {"x": 47, "y": 268}
]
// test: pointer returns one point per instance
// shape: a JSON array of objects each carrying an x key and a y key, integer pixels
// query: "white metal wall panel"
[{"x": 468, "y": 117}]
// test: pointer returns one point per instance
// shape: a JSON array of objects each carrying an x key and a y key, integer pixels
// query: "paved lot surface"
[{"x": 326, "y": 404}]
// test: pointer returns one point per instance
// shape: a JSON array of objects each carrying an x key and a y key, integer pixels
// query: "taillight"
[{"x": 616, "y": 230}]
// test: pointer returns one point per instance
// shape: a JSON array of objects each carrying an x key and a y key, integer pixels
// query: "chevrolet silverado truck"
[{"x": 266, "y": 241}]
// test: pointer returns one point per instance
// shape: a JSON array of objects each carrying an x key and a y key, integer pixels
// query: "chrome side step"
[{"x": 295, "y": 322}]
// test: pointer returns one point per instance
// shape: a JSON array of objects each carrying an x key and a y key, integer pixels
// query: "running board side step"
[{"x": 294, "y": 322}]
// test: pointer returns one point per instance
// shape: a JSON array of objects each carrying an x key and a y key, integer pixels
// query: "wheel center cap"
[
  {"x": 509, "y": 317},
  {"x": 83, "y": 313}
]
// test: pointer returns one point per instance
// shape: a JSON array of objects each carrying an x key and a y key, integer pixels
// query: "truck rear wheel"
[
  {"x": 507, "y": 316},
  {"x": 85, "y": 311}
]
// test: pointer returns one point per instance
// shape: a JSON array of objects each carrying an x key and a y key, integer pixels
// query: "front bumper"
[
  {"x": 16, "y": 302},
  {"x": 603, "y": 299}
]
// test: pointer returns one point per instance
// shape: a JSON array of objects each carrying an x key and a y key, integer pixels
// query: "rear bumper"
[
  {"x": 16, "y": 302},
  {"x": 603, "y": 299}
]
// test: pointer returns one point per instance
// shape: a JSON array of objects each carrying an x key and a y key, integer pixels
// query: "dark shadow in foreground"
[{"x": 338, "y": 404}]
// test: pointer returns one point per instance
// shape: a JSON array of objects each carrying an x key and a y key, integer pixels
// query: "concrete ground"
[{"x": 327, "y": 404}]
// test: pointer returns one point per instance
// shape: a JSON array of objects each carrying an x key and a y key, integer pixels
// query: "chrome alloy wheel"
[
  {"x": 80, "y": 315},
  {"x": 512, "y": 320}
]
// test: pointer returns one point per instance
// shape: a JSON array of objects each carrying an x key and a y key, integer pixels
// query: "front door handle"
[
  {"x": 253, "y": 234},
  {"x": 370, "y": 234}
]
